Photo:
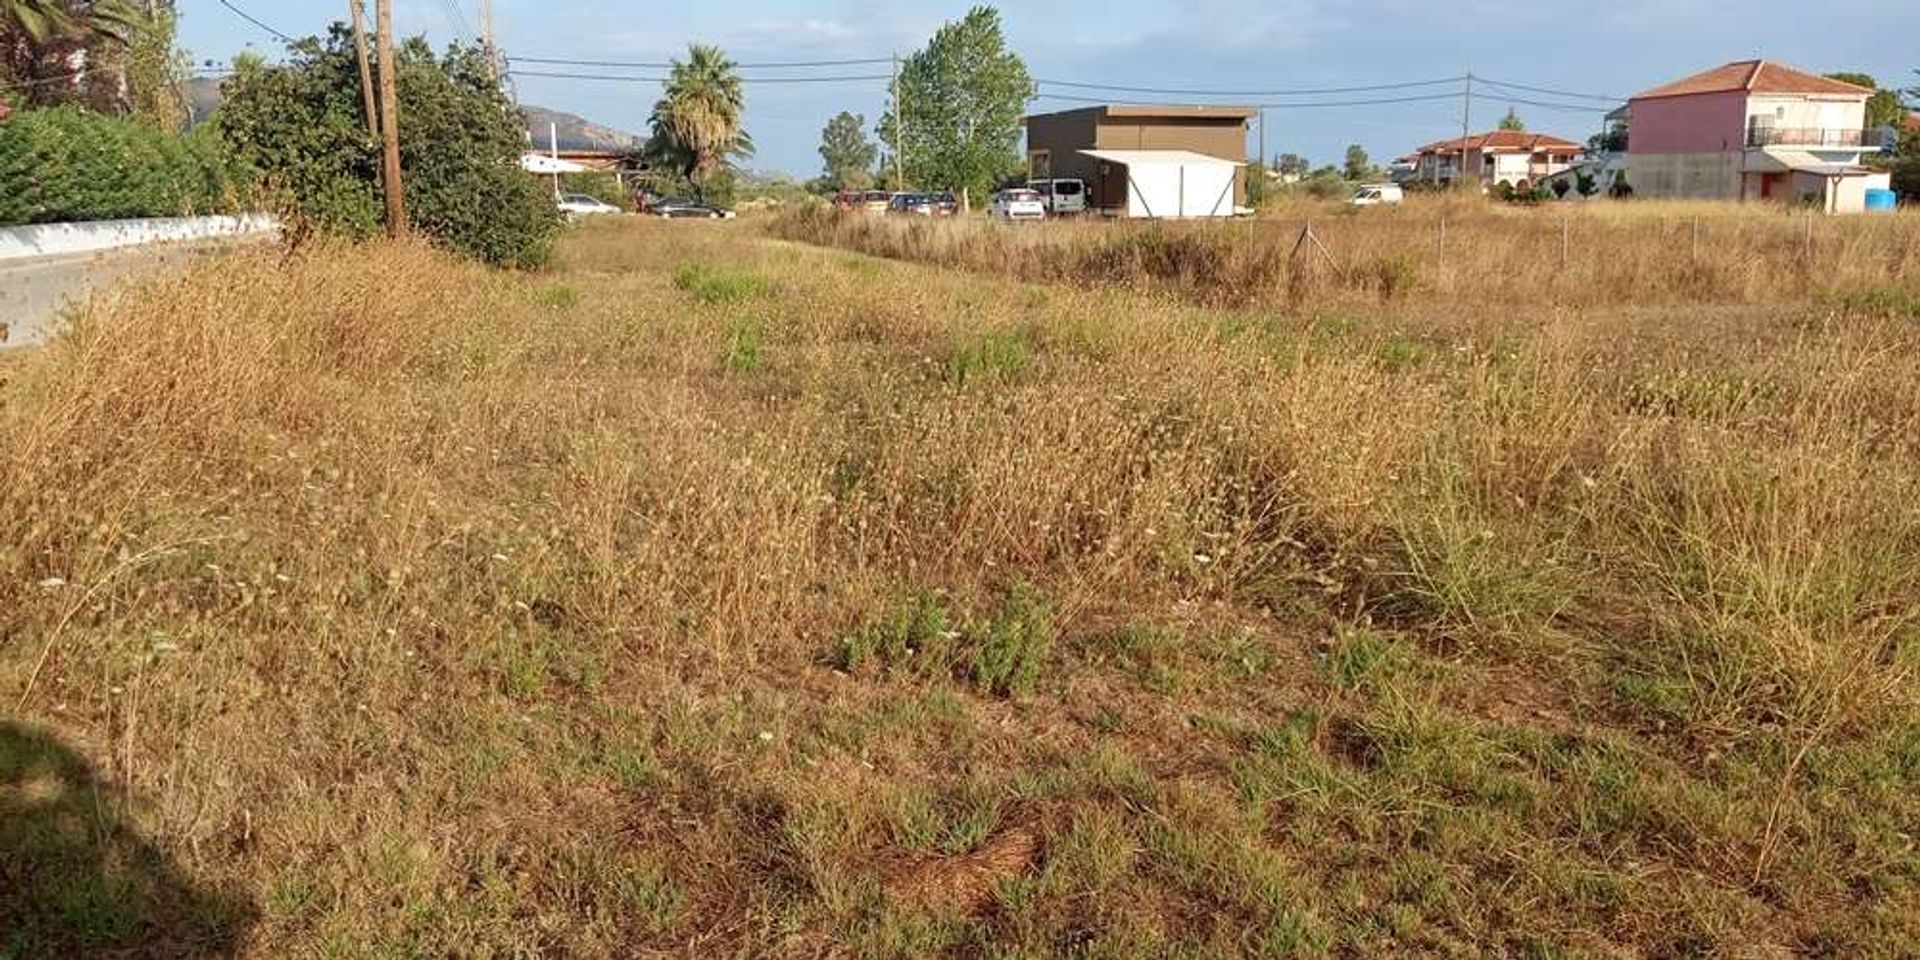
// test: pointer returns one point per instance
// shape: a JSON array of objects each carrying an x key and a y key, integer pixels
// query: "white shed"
[{"x": 1168, "y": 183}]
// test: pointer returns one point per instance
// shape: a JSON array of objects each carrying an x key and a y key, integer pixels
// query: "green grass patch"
[{"x": 713, "y": 284}]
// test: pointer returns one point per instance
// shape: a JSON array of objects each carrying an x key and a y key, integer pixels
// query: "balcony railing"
[{"x": 1810, "y": 137}]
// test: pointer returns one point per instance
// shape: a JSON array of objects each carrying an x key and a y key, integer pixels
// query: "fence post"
[
  {"x": 1566, "y": 225},
  {"x": 1806, "y": 242},
  {"x": 1440, "y": 240}
]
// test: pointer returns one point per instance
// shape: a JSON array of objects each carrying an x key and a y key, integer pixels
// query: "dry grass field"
[{"x": 719, "y": 595}]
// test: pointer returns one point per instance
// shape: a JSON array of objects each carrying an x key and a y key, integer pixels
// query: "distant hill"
[{"x": 576, "y": 133}]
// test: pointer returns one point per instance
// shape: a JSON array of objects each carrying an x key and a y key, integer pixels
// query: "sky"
[{"x": 1605, "y": 49}]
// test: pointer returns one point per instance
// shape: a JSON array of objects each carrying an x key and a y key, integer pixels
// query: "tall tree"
[
  {"x": 1358, "y": 167},
  {"x": 41, "y": 41},
  {"x": 1513, "y": 122},
  {"x": 696, "y": 123},
  {"x": 1883, "y": 108},
  {"x": 1292, "y": 165},
  {"x": 958, "y": 104},
  {"x": 847, "y": 152}
]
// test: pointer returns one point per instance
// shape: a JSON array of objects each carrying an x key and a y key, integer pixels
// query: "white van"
[
  {"x": 1063, "y": 197},
  {"x": 1370, "y": 194}
]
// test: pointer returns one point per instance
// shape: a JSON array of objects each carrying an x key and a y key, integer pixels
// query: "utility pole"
[
  {"x": 1466, "y": 120},
  {"x": 389, "y": 123},
  {"x": 1263, "y": 138},
  {"x": 899, "y": 131},
  {"x": 487, "y": 43},
  {"x": 358, "y": 9}
]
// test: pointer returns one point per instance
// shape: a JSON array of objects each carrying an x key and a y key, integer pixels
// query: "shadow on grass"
[{"x": 77, "y": 880}]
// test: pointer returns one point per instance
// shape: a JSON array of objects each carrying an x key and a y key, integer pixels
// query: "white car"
[
  {"x": 1374, "y": 194},
  {"x": 581, "y": 205},
  {"x": 1018, "y": 203},
  {"x": 1063, "y": 197}
]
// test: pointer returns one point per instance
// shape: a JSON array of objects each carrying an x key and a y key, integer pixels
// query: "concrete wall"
[
  {"x": 56, "y": 239},
  {"x": 1700, "y": 123},
  {"x": 1692, "y": 176}
]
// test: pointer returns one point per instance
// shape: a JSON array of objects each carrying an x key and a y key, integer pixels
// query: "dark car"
[
  {"x": 916, "y": 204},
  {"x": 943, "y": 204},
  {"x": 674, "y": 208}
]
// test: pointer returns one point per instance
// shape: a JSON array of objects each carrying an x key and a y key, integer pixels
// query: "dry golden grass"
[
  {"x": 1433, "y": 249},
  {"x": 714, "y": 595}
]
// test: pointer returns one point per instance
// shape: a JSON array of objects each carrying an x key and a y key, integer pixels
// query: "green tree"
[
  {"x": 300, "y": 127},
  {"x": 1513, "y": 122},
  {"x": 847, "y": 152},
  {"x": 959, "y": 103},
  {"x": 42, "y": 20},
  {"x": 696, "y": 123},
  {"x": 1292, "y": 165},
  {"x": 1358, "y": 167},
  {"x": 1883, "y": 108}
]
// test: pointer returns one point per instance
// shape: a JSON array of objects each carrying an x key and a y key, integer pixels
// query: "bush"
[
  {"x": 69, "y": 164},
  {"x": 302, "y": 127}
]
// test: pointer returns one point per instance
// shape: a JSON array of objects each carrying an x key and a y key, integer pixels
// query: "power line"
[
  {"x": 1609, "y": 98},
  {"x": 1424, "y": 98},
  {"x": 456, "y": 19},
  {"x": 663, "y": 65},
  {"x": 1305, "y": 91},
  {"x": 1571, "y": 107},
  {"x": 250, "y": 18},
  {"x": 631, "y": 79}
]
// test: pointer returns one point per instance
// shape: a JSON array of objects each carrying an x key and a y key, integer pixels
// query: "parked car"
[
  {"x": 1373, "y": 194},
  {"x": 673, "y": 208},
  {"x": 875, "y": 201},
  {"x": 944, "y": 205},
  {"x": 1017, "y": 203},
  {"x": 847, "y": 200},
  {"x": 914, "y": 204},
  {"x": 581, "y": 205},
  {"x": 1062, "y": 196}
]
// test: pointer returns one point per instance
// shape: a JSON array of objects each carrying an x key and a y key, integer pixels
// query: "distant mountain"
[{"x": 576, "y": 133}]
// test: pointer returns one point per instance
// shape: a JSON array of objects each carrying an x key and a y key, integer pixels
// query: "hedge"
[{"x": 66, "y": 164}]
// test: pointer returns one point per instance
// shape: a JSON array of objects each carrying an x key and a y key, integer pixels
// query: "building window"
[{"x": 1040, "y": 164}]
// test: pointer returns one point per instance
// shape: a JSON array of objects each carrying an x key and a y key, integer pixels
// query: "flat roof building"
[{"x": 1064, "y": 144}]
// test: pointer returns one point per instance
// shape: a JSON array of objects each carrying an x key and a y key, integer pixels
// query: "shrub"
[
  {"x": 302, "y": 127},
  {"x": 69, "y": 164}
]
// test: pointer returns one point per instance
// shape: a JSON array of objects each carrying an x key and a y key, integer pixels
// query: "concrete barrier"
[{"x": 55, "y": 239}]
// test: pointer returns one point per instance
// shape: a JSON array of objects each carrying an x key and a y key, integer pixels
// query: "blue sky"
[{"x": 1608, "y": 47}]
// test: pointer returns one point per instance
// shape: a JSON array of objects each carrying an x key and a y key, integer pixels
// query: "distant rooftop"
[
  {"x": 1754, "y": 76},
  {"x": 1502, "y": 141}
]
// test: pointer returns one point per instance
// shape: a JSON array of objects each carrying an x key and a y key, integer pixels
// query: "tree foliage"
[
  {"x": 847, "y": 153},
  {"x": 1358, "y": 166},
  {"x": 67, "y": 163},
  {"x": 301, "y": 127},
  {"x": 696, "y": 123},
  {"x": 1292, "y": 165},
  {"x": 42, "y": 20},
  {"x": 959, "y": 104},
  {"x": 1513, "y": 122}
]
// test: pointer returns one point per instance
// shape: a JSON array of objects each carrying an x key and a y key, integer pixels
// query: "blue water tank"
[{"x": 1878, "y": 199}]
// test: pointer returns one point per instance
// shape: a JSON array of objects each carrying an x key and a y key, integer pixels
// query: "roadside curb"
[{"x": 38, "y": 240}]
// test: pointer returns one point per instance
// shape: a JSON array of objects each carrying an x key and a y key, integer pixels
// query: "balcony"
[{"x": 1810, "y": 137}]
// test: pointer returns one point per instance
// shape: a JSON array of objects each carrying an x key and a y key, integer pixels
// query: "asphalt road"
[{"x": 33, "y": 292}]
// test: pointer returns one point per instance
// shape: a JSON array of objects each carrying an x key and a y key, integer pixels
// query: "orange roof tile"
[
  {"x": 1754, "y": 76},
  {"x": 1502, "y": 141}
]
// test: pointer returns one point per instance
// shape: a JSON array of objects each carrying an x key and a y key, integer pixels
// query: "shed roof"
[
  {"x": 1157, "y": 111},
  {"x": 1754, "y": 76},
  {"x": 1143, "y": 158}
]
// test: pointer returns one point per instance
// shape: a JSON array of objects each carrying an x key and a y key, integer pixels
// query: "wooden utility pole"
[
  {"x": 358, "y": 9},
  {"x": 389, "y": 123},
  {"x": 1466, "y": 120},
  {"x": 899, "y": 131}
]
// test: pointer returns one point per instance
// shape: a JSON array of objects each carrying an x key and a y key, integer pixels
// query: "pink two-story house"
[{"x": 1753, "y": 130}]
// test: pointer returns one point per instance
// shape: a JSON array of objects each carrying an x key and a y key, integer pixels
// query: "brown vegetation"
[
  {"x": 1432, "y": 250},
  {"x": 721, "y": 596}
]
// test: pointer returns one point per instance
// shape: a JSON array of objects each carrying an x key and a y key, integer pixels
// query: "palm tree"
[
  {"x": 696, "y": 124},
  {"x": 40, "y": 20}
]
